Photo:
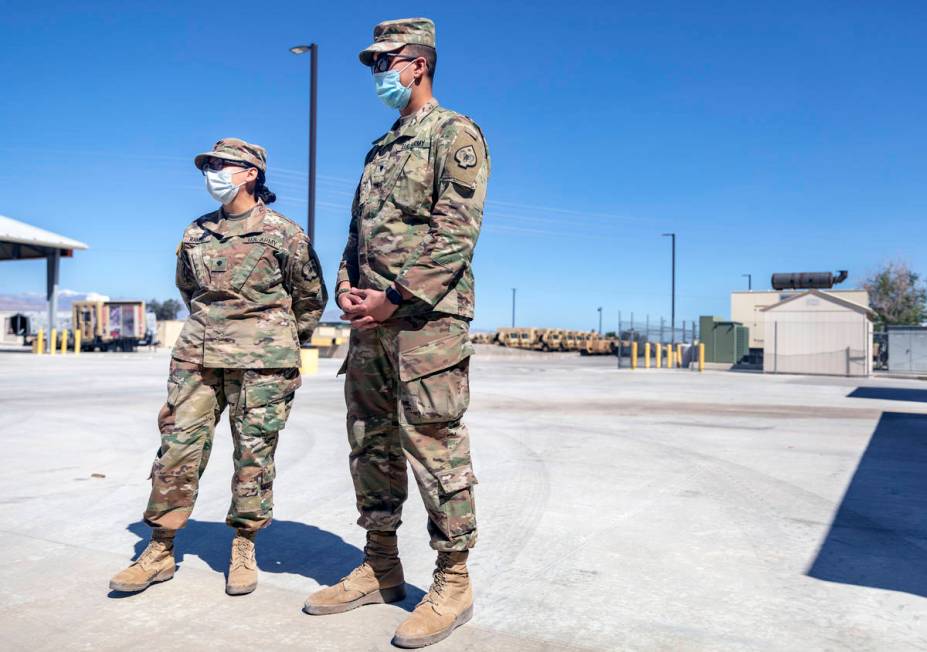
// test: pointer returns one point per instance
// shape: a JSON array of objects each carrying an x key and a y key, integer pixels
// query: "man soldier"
[{"x": 406, "y": 284}]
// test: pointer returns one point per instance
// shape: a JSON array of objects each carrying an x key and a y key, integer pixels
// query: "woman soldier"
[{"x": 252, "y": 283}]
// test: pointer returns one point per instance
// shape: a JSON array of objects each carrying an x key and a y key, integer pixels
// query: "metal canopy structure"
[{"x": 21, "y": 241}]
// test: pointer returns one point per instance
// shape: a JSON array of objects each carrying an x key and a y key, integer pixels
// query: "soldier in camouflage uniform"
[
  {"x": 252, "y": 283},
  {"x": 406, "y": 284}
]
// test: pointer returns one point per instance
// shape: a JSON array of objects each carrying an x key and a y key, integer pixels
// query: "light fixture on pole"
[{"x": 313, "y": 50}]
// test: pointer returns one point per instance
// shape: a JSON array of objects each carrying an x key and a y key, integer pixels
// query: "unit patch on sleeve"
[{"x": 466, "y": 157}]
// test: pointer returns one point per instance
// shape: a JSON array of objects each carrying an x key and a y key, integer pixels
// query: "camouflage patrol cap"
[
  {"x": 391, "y": 35},
  {"x": 235, "y": 149}
]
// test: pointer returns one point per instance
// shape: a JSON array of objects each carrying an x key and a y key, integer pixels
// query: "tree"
[
  {"x": 897, "y": 295},
  {"x": 164, "y": 310}
]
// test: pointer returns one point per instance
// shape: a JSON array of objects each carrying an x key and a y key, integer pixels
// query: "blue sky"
[{"x": 786, "y": 136}]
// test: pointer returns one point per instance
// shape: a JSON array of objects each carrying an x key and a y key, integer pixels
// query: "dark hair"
[
  {"x": 426, "y": 52},
  {"x": 262, "y": 192}
]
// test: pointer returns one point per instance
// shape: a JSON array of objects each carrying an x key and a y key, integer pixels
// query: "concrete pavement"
[{"x": 618, "y": 510}]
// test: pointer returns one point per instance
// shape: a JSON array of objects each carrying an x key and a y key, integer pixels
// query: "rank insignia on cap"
[{"x": 465, "y": 157}]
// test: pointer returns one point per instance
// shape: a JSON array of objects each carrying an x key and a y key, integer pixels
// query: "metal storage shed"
[
  {"x": 907, "y": 349},
  {"x": 818, "y": 333}
]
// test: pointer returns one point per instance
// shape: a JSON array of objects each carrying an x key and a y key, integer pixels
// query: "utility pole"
[
  {"x": 600, "y": 319},
  {"x": 513, "y": 307},
  {"x": 313, "y": 50},
  {"x": 673, "y": 304}
]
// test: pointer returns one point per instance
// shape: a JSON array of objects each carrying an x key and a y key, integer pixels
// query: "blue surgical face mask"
[
  {"x": 391, "y": 91},
  {"x": 220, "y": 186}
]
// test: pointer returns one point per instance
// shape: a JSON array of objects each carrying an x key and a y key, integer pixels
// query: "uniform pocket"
[
  {"x": 260, "y": 391},
  {"x": 412, "y": 191},
  {"x": 196, "y": 264},
  {"x": 435, "y": 384},
  {"x": 245, "y": 265}
]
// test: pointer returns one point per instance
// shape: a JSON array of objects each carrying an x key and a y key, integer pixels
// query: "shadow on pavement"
[
  {"x": 282, "y": 547},
  {"x": 890, "y": 394},
  {"x": 879, "y": 535}
]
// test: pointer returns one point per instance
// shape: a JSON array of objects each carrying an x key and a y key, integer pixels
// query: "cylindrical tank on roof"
[{"x": 807, "y": 280}]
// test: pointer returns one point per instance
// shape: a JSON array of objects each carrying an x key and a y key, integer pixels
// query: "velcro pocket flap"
[
  {"x": 454, "y": 480},
  {"x": 434, "y": 356},
  {"x": 244, "y": 268},
  {"x": 265, "y": 392}
]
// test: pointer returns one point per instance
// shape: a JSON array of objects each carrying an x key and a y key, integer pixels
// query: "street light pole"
[
  {"x": 313, "y": 50},
  {"x": 749, "y": 281},
  {"x": 513, "y": 307},
  {"x": 673, "y": 305},
  {"x": 600, "y": 319}
]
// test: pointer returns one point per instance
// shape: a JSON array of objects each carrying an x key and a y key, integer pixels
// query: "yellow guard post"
[{"x": 309, "y": 361}]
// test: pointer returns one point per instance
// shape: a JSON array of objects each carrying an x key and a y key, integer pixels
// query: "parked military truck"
[
  {"x": 552, "y": 339},
  {"x": 109, "y": 325},
  {"x": 482, "y": 338},
  {"x": 596, "y": 345},
  {"x": 510, "y": 337},
  {"x": 329, "y": 337}
]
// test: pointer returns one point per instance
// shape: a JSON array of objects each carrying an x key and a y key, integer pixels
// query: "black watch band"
[{"x": 393, "y": 295}]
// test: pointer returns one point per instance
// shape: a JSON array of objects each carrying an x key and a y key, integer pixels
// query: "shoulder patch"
[{"x": 465, "y": 158}]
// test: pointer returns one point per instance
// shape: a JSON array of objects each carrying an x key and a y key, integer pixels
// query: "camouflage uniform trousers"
[
  {"x": 259, "y": 402},
  {"x": 406, "y": 391}
]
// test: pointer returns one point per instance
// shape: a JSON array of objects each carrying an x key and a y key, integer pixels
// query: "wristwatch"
[{"x": 394, "y": 296}]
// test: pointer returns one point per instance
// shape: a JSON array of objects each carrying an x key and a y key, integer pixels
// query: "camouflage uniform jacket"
[
  {"x": 253, "y": 287},
  {"x": 417, "y": 212}
]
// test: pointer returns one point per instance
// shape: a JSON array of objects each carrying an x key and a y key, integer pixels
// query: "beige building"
[
  {"x": 169, "y": 331},
  {"x": 814, "y": 332},
  {"x": 747, "y": 308}
]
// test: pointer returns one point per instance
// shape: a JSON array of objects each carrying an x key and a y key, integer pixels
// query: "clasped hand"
[{"x": 365, "y": 309}]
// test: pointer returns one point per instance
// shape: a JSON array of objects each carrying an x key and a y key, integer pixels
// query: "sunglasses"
[
  {"x": 384, "y": 61},
  {"x": 216, "y": 164}
]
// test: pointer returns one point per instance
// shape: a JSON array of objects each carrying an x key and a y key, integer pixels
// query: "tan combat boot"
[
  {"x": 242, "y": 576},
  {"x": 378, "y": 580},
  {"x": 155, "y": 564},
  {"x": 447, "y": 606}
]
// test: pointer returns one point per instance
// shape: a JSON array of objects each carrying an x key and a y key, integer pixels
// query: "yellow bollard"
[
  {"x": 646, "y": 355},
  {"x": 701, "y": 356},
  {"x": 659, "y": 351},
  {"x": 52, "y": 340},
  {"x": 64, "y": 341},
  {"x": 679, "y": 355},
  {"x": 40, "y": 341},
  {"x": 77, "y": 341},
  {"x": 308, "y": 362},
  {"x": 670, "y": 357},
  {"x": 633, "y": 355}
]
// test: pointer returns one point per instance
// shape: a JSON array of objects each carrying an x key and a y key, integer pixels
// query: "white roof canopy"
[{"x": 14, "y": 232}]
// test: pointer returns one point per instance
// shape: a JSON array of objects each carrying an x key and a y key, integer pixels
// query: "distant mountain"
[{"x": 33, "y": 301}]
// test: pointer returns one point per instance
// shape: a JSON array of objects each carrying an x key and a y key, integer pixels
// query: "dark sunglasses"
[
  {"x": 384, "y": 61},
  {"x": 216, "y": 164}
]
